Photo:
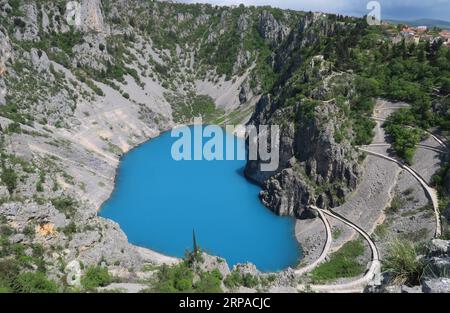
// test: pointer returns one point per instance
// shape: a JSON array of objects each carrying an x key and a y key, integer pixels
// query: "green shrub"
[
  {"x": 70, "y": 229},
  {"x": 236, "y": 279},
  {"x": 396, "y": 204},
  {"x": 64, "y": 205},
  {"x": 209, "y": 282},
  {"x": 402, "y": 261},
  {"x": 14, "y": 128},
  {"x": 96, "y": 276},
  {"x": 404, "y": 140},
  {"x": 9, "y": 178},
  {"x": 34, "y": 283},
  {"x": 178, "y": 278}
]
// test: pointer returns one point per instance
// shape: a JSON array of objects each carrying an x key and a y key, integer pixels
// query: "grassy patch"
[
  {"x": 396, "y": 204},
  {"x": 402, "y": 262},
  {"x": 64, "y": 205},
  {"x": 342, "y": 263},
  {"x": 187, "y": 107},
  {"x": 382, "y": 230},
  {"x": 337, "y": 232}
]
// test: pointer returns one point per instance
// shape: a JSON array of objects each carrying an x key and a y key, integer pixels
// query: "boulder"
[
  {"x": 439, "y": 248},
  {"x": 247, "y": 268},
  {"x": 210, "y": 263},
  {"x": 73, "y": 271},
  {"x": 40, "y": 60},
  {"x": 440, "y": 266},
  {"x": 29, "y": 30},
  {"x": 436, "y": 285}
]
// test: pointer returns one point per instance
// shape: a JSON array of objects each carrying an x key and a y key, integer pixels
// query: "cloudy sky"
[{"x": 390, "y": 9}]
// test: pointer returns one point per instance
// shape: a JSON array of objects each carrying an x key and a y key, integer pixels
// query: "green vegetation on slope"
[
  {"x": 95, "y": 276},
  {"x": 185, "y": 108},
  {"x": 186, "y": 277},
  {"x": 342, "y": 264},
  {"x": 20, "y": 270},
  {"x": 417, "y": 74},
  {"x": 404, "y": 140}
]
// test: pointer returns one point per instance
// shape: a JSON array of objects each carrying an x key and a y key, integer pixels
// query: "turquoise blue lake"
[{"x": 159, "y": 201}]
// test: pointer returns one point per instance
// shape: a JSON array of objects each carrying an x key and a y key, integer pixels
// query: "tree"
[
  {"x": 34, "y": 283},
  {"x": 421, "y": 55},
  {"x": 96, "y": 276},
  {"x": 9, "y": 178},
  {"x": 194, "y": 242},
  {"x": 445, "y": 89},
  {"x": 434, "y": 50}
]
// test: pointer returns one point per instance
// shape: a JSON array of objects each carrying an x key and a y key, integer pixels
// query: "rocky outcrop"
[
  {"x": 307, "y": 32},
  {"x": 97, "y": 239},
  {"x": 21, "y": 215},
  {"x": 27, "y": 26},
  {"x": 314, "y": 168},
  {"x": 5, "y": 54},
  {"x": 40, "y": 60},
  {"x": 436, "y": 278},
  {"x": 91, "y": 16},
  {"x": 209, "y": 263},
  {"x": 439, "y": 248},
  {"x": 92, "y": 53},
  {"x": 436, "y": 285},
  {"x": 271, "y": 29}
]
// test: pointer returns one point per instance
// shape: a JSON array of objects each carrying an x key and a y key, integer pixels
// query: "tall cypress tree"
[{"x": 194, "y": 241}]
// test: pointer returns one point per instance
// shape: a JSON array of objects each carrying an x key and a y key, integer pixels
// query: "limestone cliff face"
[
  {"x": 5, "y": 54},
  {"x": 84, "y": 95},
  {"x": 315, "y": 167},
  {"x": 92, "y": 16},
  {"x": 271, "y": 29}
]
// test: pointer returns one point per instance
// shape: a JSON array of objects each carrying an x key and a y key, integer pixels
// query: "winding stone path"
[
  {"x": 359, "y": 284},
  {"x": 438, "y": 150},
  {"x": 432, "y": 193},
  {"x": 436, "y": 138},
  {"x": 326, "y": 249},
  {"x": 373, "y": 273}
]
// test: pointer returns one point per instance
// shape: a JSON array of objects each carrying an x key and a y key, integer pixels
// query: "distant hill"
[{"x": 425, "y": 22}]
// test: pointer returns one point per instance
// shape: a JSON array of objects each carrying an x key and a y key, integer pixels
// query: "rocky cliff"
[
  {"x": 80, "y": 88},
  {"x": 318, "y": 165},
  {"x": 81, "y": 84}
]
